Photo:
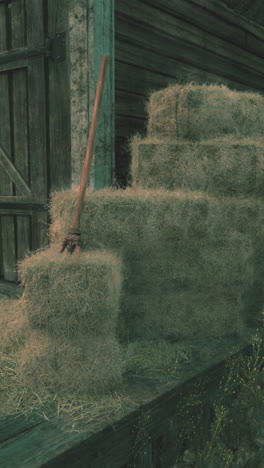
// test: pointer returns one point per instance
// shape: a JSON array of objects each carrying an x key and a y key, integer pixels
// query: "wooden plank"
[
  {"x": 100, "y": 42},
  {"x": 217, "y": 20},
  {"x": 9, "y": 242},
  {"x": 23, "y": 236},
  {"x": 59, "y": 104},
  {"x": 12, "y": 426},
  {"x": 13, "y": 173},
  {"x": 34, "y": 23},
  {"x": 140, "y": 80},
  {"x": 6, "y": 187},
  {"x": 37, "y": 146},
  {"x": 11, "y": 289},
  {"x": 51, "y": 445},
  {"x": 149, "y": 17},
  {"x": 151, "y": 55},
  {"x": 18, "y": 64},
  {"x": 20, "y": 122},
  {"x": 128, "y": 103},
  {"x": 36, "y": 107},
  {"x": 3, "y": 32}
]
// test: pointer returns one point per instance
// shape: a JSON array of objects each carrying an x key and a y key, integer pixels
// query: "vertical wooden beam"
[
  {"x": 20, "y": 123},
  {"x": 101, "y": 42},
  {"x": 58, "y": 102},
  {"x": 8, "y": 253},
  {"x": 37, "y": 122}
]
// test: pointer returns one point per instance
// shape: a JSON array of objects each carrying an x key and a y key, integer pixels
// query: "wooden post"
[{"x": 101, "y": 42}]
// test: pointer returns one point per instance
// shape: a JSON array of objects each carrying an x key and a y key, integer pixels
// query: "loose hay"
[
  {"x": 66, "y": 295},
  {"x": 156, "y": 355},
  {"x": 79, "y": 390},
  {"x": 218, "y": 167},
  {"x": 160, "y": 235},
  {"x": 204, "y": 112}
]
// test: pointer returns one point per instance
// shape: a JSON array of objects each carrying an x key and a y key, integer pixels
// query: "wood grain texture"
[
  {"x": 8, "y": 254},
  {"x": 101, "y": 42},
  {"x": 58, "y": 97},
  {"x": 149, "y": 17},
  {"x": 11, "y": 171}
]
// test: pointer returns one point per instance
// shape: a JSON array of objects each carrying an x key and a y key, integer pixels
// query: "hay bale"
[
  {"x": 196, "y": 113},
  {"x": 186, "y": 314},
  {"x": 218, "y": 167},
  {"x": 80, "y": 366},
  {"x": 167, "y": 240},
  {"x": 201, "y": 264},
  {"x": 66, "y": 295}
]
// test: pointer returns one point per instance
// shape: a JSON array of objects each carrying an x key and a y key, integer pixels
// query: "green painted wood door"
[{"x": 34, "y": 124}]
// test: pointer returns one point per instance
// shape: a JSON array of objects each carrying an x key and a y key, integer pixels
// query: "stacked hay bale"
[
  {"x": 190, "y": 257},
  {"x": 71, "y": 305}
]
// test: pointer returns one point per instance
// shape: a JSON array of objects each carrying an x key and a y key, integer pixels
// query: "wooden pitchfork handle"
[{"x": 72, "y": 240}]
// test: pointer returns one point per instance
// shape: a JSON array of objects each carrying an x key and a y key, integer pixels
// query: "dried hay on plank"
[
  {"x": 66, "y": 295},
  {"x": 218, "y": 167},
  {"x": 202, "y": 112}
]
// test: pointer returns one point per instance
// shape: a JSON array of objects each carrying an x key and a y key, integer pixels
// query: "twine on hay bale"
[
  {"x": 66, "y": 295},
  {"x": 219, "y": 167},
  {"x": 201, "y": 112},
  {"x": 156, "y": 226}
]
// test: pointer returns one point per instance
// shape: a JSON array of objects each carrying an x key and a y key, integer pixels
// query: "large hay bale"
[
  {"x": 218, "y": 167},
  {"x": 186, "y": 314},
  {"x": 66, "y": 295},
  {"x": 168, "y": 240},
  {"x": 195, "y": 113},
  {"x": 80, "y": 366}
]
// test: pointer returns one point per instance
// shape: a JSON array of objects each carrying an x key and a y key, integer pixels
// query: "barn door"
[{"x": 25, "y": 136}]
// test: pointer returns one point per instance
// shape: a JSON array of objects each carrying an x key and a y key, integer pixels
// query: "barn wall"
[{"x": 162, "y": 42}]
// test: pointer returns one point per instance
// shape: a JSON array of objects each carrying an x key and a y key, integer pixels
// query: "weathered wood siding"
[{"x": 161, "y": 42}]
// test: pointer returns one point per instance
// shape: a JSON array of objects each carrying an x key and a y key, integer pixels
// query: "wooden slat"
[
  {"x": 168, "y": 49},
  {"x": 9, "y": 254},
  {"x": 37, "y": 146},
  {"x": 12, "y": 172},
  {"x": 23, "y": 236},
  {"x": 34, "y": 23},
  {"x": 36, "y": 107},
  {"x": 101, "y": 42},
  {"x": 6, "y": 187},
  {"x": 59, "y": 104},
  {"x": 131, "y": 104},
  {"x": 214, "y": 18},
  {"x": 20, "y": 122},
  {"x": 139, "y": 80},
  {"x": 148, "y": 17}
]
